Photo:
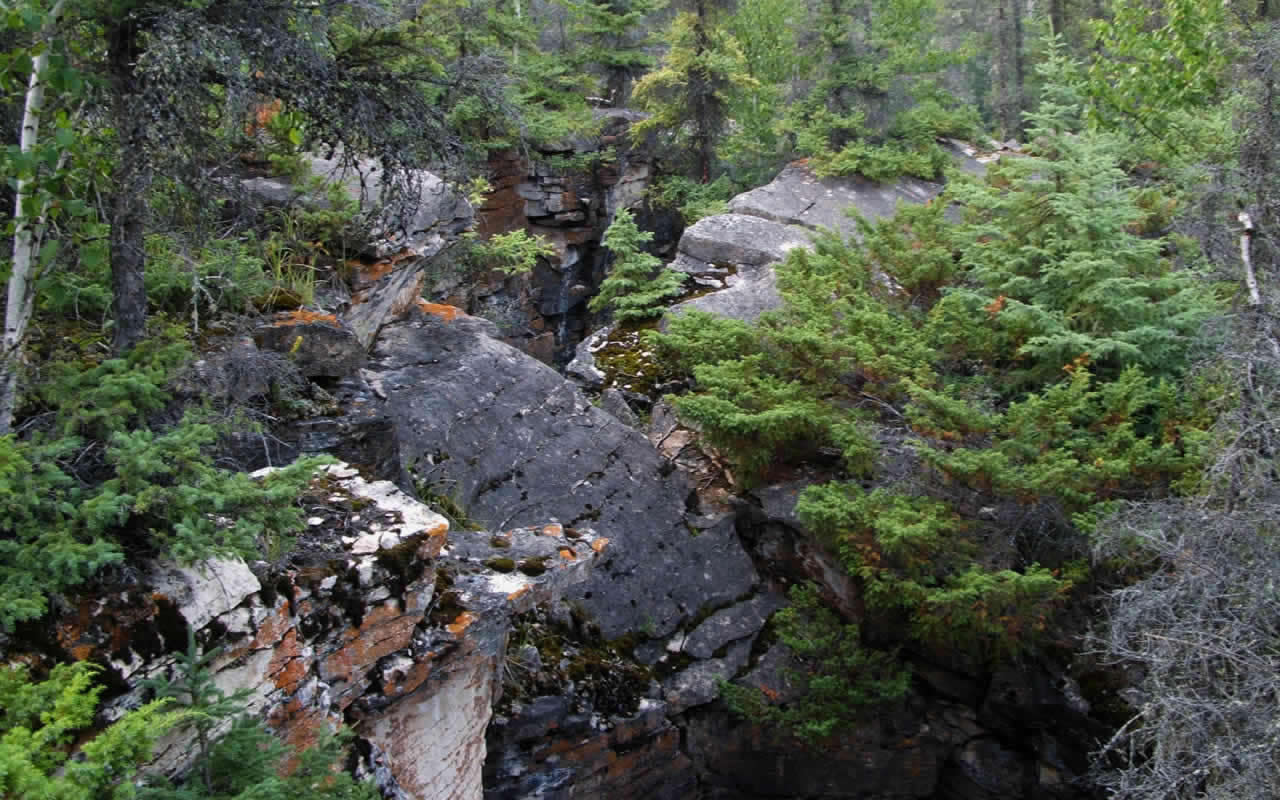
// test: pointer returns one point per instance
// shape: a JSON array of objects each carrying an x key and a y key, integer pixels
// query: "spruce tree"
[
  {"x": 637, "y": 282},
  {"x": 612, "y": 37},
  {"x": 876, "y": 107},
  {"x": 691, "y": 92}
]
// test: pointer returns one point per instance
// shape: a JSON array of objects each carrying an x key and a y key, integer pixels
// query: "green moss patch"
[{"x": 630, "y": 364}]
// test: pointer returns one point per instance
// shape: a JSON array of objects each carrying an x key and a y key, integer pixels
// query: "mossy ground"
[
  {"x": 598, "y": 676},
  {"x": 628, "y": 363}
]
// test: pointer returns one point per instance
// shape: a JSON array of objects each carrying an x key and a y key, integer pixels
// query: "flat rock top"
[
  {"x": 514, "y": 444},
  {"x": 740, "y": 239},
  {"x": 750, "y": 296},
  {"x": 798, "y": 197}
]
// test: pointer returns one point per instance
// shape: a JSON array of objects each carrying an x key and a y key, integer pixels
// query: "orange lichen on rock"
[
  {"x": 383, "y": 631},
  {"x": 554, "y": 529},
  {"x": 434, "y": 541},
  {"x": 460, "y": 624},
  {"x": 302, "y": 316},
  {"x": 287, "y": 667},
  {"x": 518, "y": 593},
  {"x": 599, "y": 544},
  {"x": 372, "y": 272},
  {"x": 567, "y": 554},
  {"x": 446, "y": 313}
]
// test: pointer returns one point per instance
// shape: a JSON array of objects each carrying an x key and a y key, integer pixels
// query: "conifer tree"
[
  {"x": 637, "y": 282},
  {"x": 612, "y": 36},
  {"x": 876, "y": 108},
  {"x": 690, "y": 93}
]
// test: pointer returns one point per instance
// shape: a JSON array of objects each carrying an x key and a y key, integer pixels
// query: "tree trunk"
[
  {"x": 705, "y": 111},
  {"x": 1058, "y": 17},
  {"x": 1019, "y": 67},
  {"x": 29, "y": 231},
  {"x": 131, "y": 180}
]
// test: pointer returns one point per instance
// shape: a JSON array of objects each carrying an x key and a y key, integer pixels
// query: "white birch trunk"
[{"x": 29, "y": 230}]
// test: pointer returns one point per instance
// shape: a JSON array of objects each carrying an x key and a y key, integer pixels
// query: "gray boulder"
[
  {"x": 699, "y": 684},
  {"x": 731, "y": 624},
  {"x": 750, "y": 293},
  {"x": 514, "y": 443},
  {"x": 798, "y": 197},
  {"x": 739, "y": 239},
  {"x": 414, "y": 209}
]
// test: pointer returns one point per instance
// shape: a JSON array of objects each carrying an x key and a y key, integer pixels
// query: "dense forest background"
[{"x": 1081, "y": 343}]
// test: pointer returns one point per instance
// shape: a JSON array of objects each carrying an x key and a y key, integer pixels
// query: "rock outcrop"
[
  {"x": 412, "y": 210},
  {"x": 798, "y": 197},
  {"x": 737, "y": 250},
  {"x": 382, "y": 618},
  {"x": 513, "y": 443}
]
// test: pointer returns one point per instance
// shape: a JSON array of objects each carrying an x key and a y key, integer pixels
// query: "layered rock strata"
[{"x": 382, "y": 619}]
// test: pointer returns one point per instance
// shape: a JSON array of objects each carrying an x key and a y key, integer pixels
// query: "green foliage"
[
  {"x": 224, "y": 274},
  {"x": 154, "y": 490},
  {"x": 1033, "y": 349},
  {"x": 236, "y": 757},
  {"x": 746, "y": 410},
  {"x": 690, "y": 94},
  {"x": 612, "y": 39},
  {"x": 637, "y": 282},
  {"x": 1052, "y": 250},
  {"x": 769, "y": 32},
  {"x": 512, "y": 253},
  {"x": 1150, "y": 66},
  {"x": 41, "y": 721},
  {"x": 696, "y": 337},
  {"x": 910, "y": 554},
  {"x": 854, "y": 119},
  {"x": 838, "y": 677},
  {"x": 693, "y": 200}
]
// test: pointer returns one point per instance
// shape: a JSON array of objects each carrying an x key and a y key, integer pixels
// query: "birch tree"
[{"x": 30, "y": 207}]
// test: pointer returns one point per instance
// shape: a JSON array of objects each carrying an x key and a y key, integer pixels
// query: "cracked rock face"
[{"x": 513, "y": 443}]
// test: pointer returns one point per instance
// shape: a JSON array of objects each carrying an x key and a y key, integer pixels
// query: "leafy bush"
[
  {"x": 40, "y": 723},
  {"x": 693, "y": 200},
  {"x": 511, "y": 253},
  {"x": 1032, "y": 351}
]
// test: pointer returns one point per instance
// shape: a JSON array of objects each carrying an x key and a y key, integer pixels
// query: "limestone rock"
[
  {"x": 613, "y": 401},
  {"x": 412, "y": 210},
  {"x": 752, "y": 293},
  {"x": 406, "y": 638},
  {"x": 699, "y": 684},
  {"x": 516, "y": 444},
  {"x": 204, "y": 591},
  {"x": 318, "y": 344},
  {"x": 983, "y": 769},
  {"x": 740, "y": 239},
  {"x": 731, "y": 624},
  {"x": 583, "y": 367},
  {"x": 636, "y": 756},
  {"x": 798, "y": 197}
]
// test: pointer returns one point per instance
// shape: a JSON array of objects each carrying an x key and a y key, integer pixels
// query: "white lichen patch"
[{"x": 507, "y": 582}]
